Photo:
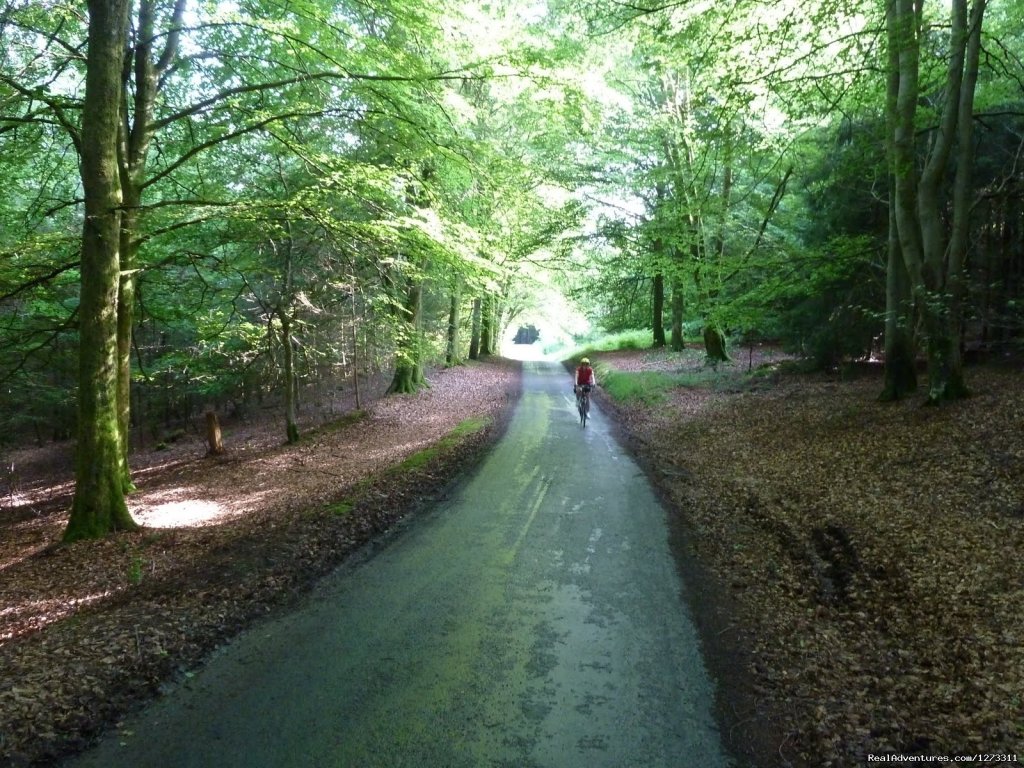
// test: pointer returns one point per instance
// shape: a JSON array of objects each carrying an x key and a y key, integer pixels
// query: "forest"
[
  {"x": 216, "y": 210},
  {"x": 209, "y": 205}
]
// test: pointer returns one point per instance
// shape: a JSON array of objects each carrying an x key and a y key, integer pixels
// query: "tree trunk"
[
  {"x": 287, "y": 347},
  {"x": 213, "y": 436},
  {"x": 135, "y": 142},
  {"x": 125, "y": 311},
  {"x": 487, "y": 325},
  {"x": 900, "y": 365},
  {"x": 285, "y": 304},
  {"x": 498, "y": 324},
  {"x": 658, "y": 311},
  {"x": 678, "y": 342},
  {"x": 408, "y": 376},
  {"x": 99, "y": 504},
  {"x": 474, "y": 338},
  {"x": 935, "y": 264},
  {"x": 355, "y": 348},
  {"x": 452, "y": 352}
]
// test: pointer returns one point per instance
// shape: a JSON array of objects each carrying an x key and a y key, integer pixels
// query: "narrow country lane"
[{"x": 533, "y": 620}]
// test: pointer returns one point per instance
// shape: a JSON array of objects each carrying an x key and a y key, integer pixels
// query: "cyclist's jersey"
[{"x": 585, "y": 376}]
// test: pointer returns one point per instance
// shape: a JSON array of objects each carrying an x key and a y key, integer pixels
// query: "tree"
[
  {"x": 933, "y": 259},
  {"x": 99, "y": 504},
  {"x": 900, "y": 353},
  {"x": 199, "y": 101}
]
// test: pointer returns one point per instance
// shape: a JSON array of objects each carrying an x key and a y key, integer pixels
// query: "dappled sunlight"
[
  {"x": 32, "y": 615},
  {"x": 16, "y": 501},
  {"x": 182, "y": 514},
  {"x": 181, "y": 508},
  {"x": 22, "y": 555},
  {"x": 32, "y": 497}
]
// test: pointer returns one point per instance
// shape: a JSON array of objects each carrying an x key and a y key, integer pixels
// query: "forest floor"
[
  {"x": 858, "y": 565},
  {"x": 868, "y": 556},
  {"x": 89, "y": 630}
]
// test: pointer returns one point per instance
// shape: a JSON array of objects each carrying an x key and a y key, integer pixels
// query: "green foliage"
[
  {"x": 635, "y": 339},
  {"x": 648, "y": 387},
  {"x": 652, "y": 387},
  {"x": 312, "y": 162},
  {"x": 827, "y": 304},
  {"x": 341, "y": 508}
]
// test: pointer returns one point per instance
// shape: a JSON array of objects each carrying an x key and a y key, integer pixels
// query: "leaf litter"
[
  {"x": 89, "y": 631},
  {"x": 870, "y": 556}
]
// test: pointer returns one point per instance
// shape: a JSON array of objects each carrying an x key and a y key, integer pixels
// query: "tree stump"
[
  {"x": 213, "y": 439},
  {"x": 714, "y": 345}
]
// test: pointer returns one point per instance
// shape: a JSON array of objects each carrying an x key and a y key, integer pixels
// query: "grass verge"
[
  {"x": 412, "y": 463},
  {"x": 464, "y": 429}
]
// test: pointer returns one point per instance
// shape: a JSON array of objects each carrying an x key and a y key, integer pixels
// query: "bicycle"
[{"x": 583, "y": 403}]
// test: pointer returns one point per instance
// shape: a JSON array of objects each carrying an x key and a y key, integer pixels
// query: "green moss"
[
  {"x": 342, "y": 508},
  {"x": 469, "y": 427},
  {"x": 453, "y": 438},
  {"x": 418, "y": 459}
]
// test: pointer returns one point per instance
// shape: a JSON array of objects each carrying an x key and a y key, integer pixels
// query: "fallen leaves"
[
  {"x": 90, "y": 629},
  {"x": 873, "y": 552}
]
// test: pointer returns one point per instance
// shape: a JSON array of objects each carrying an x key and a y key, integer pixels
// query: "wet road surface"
[{"x": 533, "y": 620}]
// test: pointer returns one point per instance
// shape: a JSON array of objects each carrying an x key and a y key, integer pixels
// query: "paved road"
[{"x": 534, "y": 620}]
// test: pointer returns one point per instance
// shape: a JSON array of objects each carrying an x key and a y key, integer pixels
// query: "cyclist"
[{"x": 584, "y": 379}]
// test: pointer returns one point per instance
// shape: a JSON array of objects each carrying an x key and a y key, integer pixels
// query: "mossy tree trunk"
[
  {"x": 408, "y": 376},
  {"x": 487, "y": 325},
  {"x": 493, "y": 322},
  {"x": 900, "y": 365},
  {"x": 454, "y": 319},
  {"x": 934, "y": 262},
  {"x": 714, "y": 345},
  {"x": 125, "y": 323},
  {"x": 148, "y": 66},
  {"x": 99, "y": 505}
]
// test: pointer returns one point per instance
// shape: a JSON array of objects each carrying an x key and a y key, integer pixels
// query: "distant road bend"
[{"x": 534, "y": 620}]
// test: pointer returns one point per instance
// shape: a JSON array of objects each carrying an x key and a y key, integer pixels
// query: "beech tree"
[
  {"x": 99, "y": 505},
  {"x": 934, "y": 257}
]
